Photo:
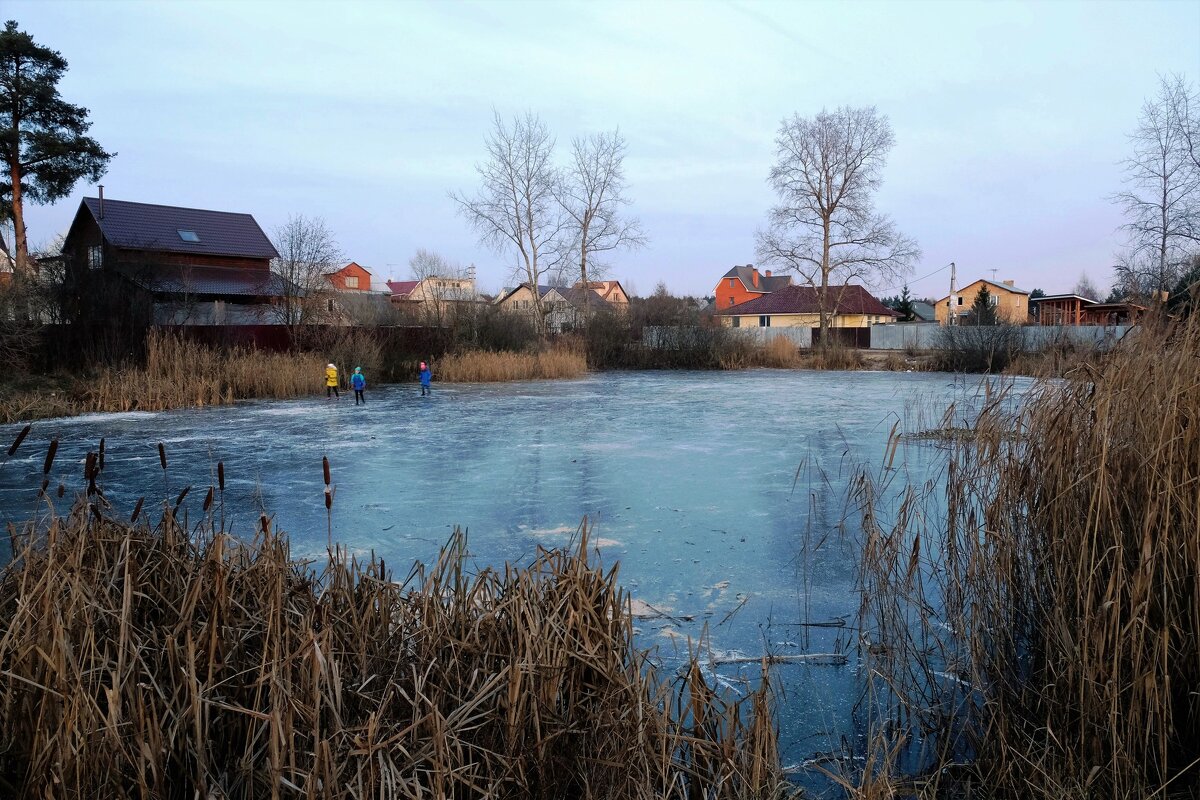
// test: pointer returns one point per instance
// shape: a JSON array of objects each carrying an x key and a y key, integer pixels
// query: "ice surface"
[{"x": 705, "y": 486}]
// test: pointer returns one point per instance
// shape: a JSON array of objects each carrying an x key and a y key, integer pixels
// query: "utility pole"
[{"x": 951, "y": 312}]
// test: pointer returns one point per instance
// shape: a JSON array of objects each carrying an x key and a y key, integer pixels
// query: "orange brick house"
[
  {"x": 745, "y": 283},
  {"x": 350, "y": 278}
]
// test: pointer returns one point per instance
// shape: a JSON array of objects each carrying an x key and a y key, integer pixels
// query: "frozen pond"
[{"x": 705, "y": 486}]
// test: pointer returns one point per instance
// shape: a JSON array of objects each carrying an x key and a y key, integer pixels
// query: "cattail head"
[
  {"x": 328, "y": 498},
  {"x": 101, "y": 463},
  {"x": 50, "y": 456},
  {"x": 208, "y": 498},
  {"x": 12, "y": 448},
  {"x": 137, "y": 509},
  {"x": 221, "y": 475},
  {"x": 325, "y": 468},
  {"x": 162, "y": 455}
]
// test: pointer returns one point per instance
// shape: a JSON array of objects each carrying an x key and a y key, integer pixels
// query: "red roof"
[
  {"x": 401, "y": 287},
  {"x": 848, "y": 299}
]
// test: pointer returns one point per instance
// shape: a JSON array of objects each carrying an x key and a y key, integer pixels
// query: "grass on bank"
[
  {"x": 481, "y": 366},
  {"x": 166, "y": 663},
  {"x": 1035, "y": 633}
]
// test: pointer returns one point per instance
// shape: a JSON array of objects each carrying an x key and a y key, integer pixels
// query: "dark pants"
[
  {"x": 358, "y": 395},
  {"x": 331, "y": 391},
  {"x": 425, "y": 389}
]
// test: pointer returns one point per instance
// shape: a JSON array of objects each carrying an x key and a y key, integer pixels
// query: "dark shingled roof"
[
  {"x": 143, "y": 226},
  {"x": 746, "y": 275},
  {"x": 203, "y": 280},
  {"x": 576, "y": 295},
  {"x": 850, "y": 299}
]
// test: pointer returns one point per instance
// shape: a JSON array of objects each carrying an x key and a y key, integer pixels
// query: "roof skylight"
[{"x": 189, "y": 236}]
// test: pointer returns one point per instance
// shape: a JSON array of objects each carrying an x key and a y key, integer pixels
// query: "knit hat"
[
  {"x": 358, "y": 369},
  {"x": 331, "y": 366}
]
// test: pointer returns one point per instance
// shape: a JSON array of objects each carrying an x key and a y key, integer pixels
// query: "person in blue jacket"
[
  {"x": 358, "y": 382},
  {"x": 426, "y": 378}
]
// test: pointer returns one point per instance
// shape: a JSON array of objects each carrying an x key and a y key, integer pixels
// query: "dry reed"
[
  {"x": 482, "y": 366},
  {"x": 168, "y": 663},
  {"x": 1036, "y": 633}
]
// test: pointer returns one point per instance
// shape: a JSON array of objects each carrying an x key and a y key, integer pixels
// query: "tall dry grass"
[
  {"x": 1036, "y": 631},
  {"x": 482, "y": 366},
  {"x": 176, "y": 663},
  {"x": 178, "y": 373}
]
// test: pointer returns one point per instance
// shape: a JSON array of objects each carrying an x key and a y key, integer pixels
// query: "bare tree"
[
  {"x": 1160, "y": 201},
  {"x": 307, "y": 251},
  {"x": 444, "y": 284},
  {"x": 1085, "y": 288},
  {"x": 515, "y": 211},
  {"x": 592, "y": 195},
  {"x": 825, "y": 227}
]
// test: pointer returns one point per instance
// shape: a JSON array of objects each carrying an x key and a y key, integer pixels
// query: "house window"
[
  {"x": 351, "y": 281},
  {"x": 95, "y": 256},
  {"x": 960, "y": 300},
  {"x": 993, "y": 300},
  {"x": 189, "y": 236},
  {"x": 764, "y": 321},
  {"x": 731, "y": 301},
  {"x": 737, "y": 322},
  {"x": 732, "y": 283}
]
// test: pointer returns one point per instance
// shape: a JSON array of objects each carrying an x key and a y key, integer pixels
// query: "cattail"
[
  {"x": 208, "y": 498},
  {"x": 265, "y": 523},
  {"x": 50, "y": 456},
  {"x": 20, "y": 438},
  {"x": 62, "y": 490},
  {"x": 221, "y": 475},
  {"x": 101, "y": 454},
  {"x": 162, "y": 455},
  {"x": 137, "y": 510},
  {"x": 328, "y": 498},
  {"x": 325, "y": 468},
  {"x": 183, "y": 494}
]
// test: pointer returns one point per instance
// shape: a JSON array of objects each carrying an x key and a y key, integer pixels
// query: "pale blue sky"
[{"x": 1010, "y": 118}]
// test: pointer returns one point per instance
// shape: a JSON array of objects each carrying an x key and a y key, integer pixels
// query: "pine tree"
[
  {"x": 905, "y": 306},
  {"x": 982, "y": 310},
  {"x": 43, "y": 141}
]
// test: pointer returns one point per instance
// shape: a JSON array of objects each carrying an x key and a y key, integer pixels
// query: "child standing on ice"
[
  {"x": 331, "y": 378},
  {"x": 358, "y": 382},
  {"x": 426, "y": 378}
]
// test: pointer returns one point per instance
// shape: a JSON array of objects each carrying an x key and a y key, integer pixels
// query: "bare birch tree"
[
  {"x": 592, "y": 195},
  {"x": 825, "y": 228},
  {"x": 307, "y": 251},
  {"x": 1162, "y": 196},
  {"x": 445, "y": 284},
  {"x": 515, "y": 210}
]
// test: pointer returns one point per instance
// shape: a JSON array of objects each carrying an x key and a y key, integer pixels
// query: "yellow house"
[
  {"x": 852, "y": 306},
  {"x": 1011, "y": 303}
]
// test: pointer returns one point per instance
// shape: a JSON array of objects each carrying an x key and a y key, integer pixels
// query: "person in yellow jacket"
[{"x": 331, "y": 382}]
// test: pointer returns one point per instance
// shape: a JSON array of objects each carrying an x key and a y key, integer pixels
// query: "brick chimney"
[
  {"x": 101, "y": 201},
  {"x": 753, "y": 275},
  {"x": 768, "y": 273},
  {"x": 1010, "y": 283}
]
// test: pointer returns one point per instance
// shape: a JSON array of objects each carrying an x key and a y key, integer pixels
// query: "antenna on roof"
[{"x": 993, "y": 276}]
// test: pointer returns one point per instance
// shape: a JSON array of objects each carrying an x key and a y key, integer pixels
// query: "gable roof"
[
  {"x": 745, "y": 274},
  {"x": 401, "y": 287},
  {"x": 145, "y": 226},
  {"x": 1001, "y": 286},
  {"x": 507, "y": 293},
  {"x": 578, "y": 296},
  {"x": 849, "y": 299},
  {"x": 348, "y": 266}
]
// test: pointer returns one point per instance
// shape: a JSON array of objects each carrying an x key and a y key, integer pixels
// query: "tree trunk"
[
  {"x": 823, "y": 291},
  {"x": 583, "y": 267},
  {"x": 18, "y": 215}
]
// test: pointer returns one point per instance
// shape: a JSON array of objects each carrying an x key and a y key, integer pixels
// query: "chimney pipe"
[
  {"x": 102, "y": 201},
  {"x": 768, "y": 273}
]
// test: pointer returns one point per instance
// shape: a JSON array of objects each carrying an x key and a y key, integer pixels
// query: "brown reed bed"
[
  {"x": 173, "y": 662},
  {"x": 178, "y": 373},
  {"x": 484, "y": 366},
  {"x": 1035, "y": 632}
]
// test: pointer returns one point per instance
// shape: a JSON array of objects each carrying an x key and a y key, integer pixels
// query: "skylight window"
[{"x": 189, "y": 236}]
